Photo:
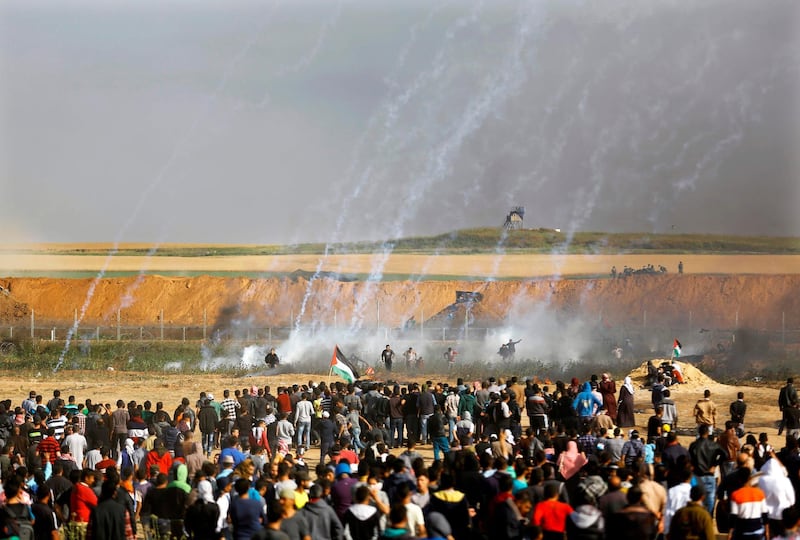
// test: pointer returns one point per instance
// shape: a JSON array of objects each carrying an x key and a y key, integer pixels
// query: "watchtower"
[{"x": 514, "y": 218}]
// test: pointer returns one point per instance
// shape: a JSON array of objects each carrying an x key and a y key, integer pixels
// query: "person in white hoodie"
[
  {"x": 678, "y": 496},
  {"x": 774, "y": 481}
]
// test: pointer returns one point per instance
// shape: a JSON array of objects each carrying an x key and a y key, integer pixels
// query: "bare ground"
[{"x": 108, "y": 386}]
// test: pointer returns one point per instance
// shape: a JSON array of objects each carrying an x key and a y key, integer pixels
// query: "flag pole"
[{"x": 330, "y": 369}]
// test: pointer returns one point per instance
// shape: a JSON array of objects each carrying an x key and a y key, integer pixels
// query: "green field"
[{"x": 493, "y": 240}]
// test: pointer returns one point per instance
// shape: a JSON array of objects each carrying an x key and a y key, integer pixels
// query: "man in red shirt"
[
  {"x": 49, "y": 447},
  {"x": 551, "y": 514},
  {"x": 83, "y": 499},
  {"x": 159, "y": 456},
  {"x": 284, "y": 400}
]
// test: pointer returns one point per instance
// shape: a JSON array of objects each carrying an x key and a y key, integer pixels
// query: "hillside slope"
[{"x": 710, "y": 301}]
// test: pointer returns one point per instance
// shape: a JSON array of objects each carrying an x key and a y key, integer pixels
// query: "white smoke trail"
[
  {"x": 385, "y": 119},
  {"x": 145, "y": 194},
  {"x": 498, "y": 88},
  {"x": 306, "y": 60}
]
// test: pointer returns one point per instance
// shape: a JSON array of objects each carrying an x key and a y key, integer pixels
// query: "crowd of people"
[
  {"x": 647, "y": 270},
  {"x": 512, "y": 460}
]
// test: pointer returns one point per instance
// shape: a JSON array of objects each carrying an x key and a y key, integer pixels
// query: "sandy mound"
[
  {"x": 694, "y": 379},
  {"x": 11, "y": 311}
]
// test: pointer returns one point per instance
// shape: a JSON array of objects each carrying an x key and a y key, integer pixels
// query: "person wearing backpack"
[
  {"x": 633, "y": 449},
  {"x": 16, "y": 518}
]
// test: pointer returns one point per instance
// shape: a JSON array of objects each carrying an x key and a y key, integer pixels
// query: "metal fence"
[{"x": 651, "y": 337}]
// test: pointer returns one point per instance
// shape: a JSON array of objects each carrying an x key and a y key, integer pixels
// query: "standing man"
[
  {"x": 410, "y": 404},
  {"x": 787, "y": 398},
  {"x": 119, "y": 424},
  {"x": 749, "y": 512},
  {"x": 387, "y": 356},
  {"x": 272, "y": 359},
  {"x": 738, "y": 409},
  {"x": 706, "y": 456},
  {"x": 327, "y": 435},
  {"x": 450, "y": 358},
  {"x": 705, "y": 412},
  {"x": 302, "y": 419},
  {"x": 511, "y": 346},
  {"x": 396, "y": 419},
  {"x": 426, "y": 404},
  {"x": 207, "y": 418},
  {"x": 670, "y": 410},
  {"x": 451, "y": 403},
  {"x": 411, "y": 358}
]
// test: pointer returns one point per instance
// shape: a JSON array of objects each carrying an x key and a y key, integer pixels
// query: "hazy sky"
[{"x": 295, "y": 121}]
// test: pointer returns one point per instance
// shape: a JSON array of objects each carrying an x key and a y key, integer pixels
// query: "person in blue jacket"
[{"x": 586, "y": 403}]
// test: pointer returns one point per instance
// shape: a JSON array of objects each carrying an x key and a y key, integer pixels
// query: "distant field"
[
  {"x": 397, "y": 266},
  {"x": 467, "y": 241}
]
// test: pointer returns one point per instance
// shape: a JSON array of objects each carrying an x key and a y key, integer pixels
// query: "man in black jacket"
[
  {"x": 706, "y": 456},
  {"x": 107, "y": 521},
  {"x": 207, "y": 418}
]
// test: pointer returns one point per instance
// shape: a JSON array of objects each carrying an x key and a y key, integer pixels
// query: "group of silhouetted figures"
[
  {"x": 646, "y": 270},
  {"x": 508, "y": 350}
]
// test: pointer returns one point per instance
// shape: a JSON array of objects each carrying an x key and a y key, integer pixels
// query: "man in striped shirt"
[
  {"x": 57, "y": 422},
  {"x": 229, "y": 404},
  {"x": 749, "y": 512}
]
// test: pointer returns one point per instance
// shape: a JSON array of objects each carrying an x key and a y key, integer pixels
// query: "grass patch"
[{"x": 489, "y": 240}]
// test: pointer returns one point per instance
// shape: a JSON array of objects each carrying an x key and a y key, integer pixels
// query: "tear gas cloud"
[
  {"x": 310, "y": 121},
  {"x": 404, "y": 118}
]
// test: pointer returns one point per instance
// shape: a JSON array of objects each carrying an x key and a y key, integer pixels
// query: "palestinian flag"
[
  {"x": 676, "y": 349},
  {"x": 342, "y": 366}
]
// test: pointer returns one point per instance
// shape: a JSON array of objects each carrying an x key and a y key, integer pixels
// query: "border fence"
[{"x": 778, "y": 334}]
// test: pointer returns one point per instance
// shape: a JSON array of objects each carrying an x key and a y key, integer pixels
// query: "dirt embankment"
[{"x": 709, "y": 301}]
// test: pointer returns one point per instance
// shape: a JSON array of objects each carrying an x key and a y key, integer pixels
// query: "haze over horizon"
[{"x": 313, "y": 121}]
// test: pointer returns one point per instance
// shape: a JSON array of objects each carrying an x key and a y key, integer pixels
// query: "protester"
[{"x": 563, "y": 469}]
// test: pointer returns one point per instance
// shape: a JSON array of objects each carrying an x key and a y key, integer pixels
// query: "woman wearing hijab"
[
  {"x": 571, "y": 461},
  {"x": 125, "y": 458},
  {"x": 608, "y": 389},
  {"x": 625, "y": 416}
]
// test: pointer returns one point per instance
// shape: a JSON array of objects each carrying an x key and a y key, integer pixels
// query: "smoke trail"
[
  {"x": 400, "y": 62},
  {"x": 128, "y": 296},
  {"x": 498, "y": 89},
  {"x": 322, "y": 35},
  {"x": 388, "y": 113},
  {"x": 178, "y": 147}
]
